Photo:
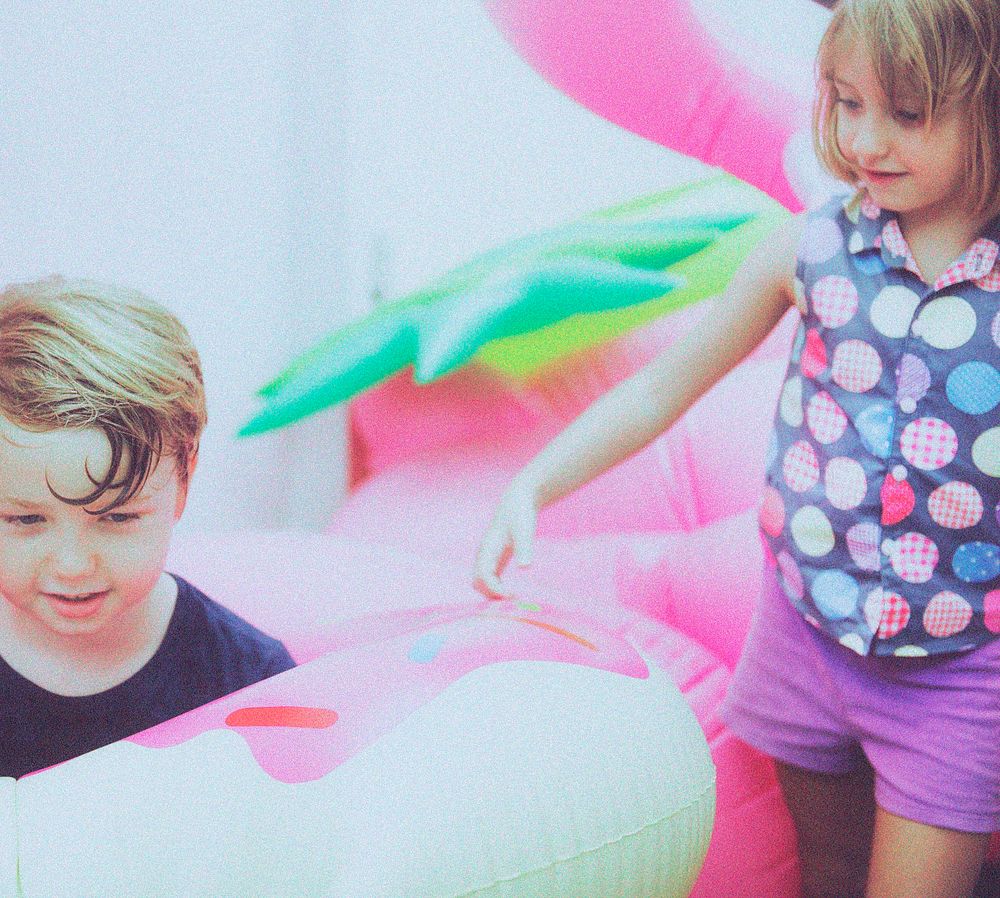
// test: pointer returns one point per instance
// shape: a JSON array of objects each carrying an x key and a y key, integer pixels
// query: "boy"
[{"x": 101, "y": 409}]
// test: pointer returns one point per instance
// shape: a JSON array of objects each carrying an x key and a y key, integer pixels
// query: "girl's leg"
[
  {"x": 834, "y": 817},
  {"x": 914, "y": 860}
]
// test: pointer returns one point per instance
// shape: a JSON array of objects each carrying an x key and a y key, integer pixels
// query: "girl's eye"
[
  {"x": 909, "y": 118},
  {"x": 849, "y": 105}
]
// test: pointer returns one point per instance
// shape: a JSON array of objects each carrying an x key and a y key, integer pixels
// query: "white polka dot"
[
  {"x": 892, "y": 311},
  {"x": 812, "y": 532},
  {"x": 986, "y": 452},
  {"x": 911, "y": 651},
  {"x": 899, "y": 472},
  {"x": 946, "y": 323},
  {"x": 845, "y": 483},
  {"x": 853, "y": 642},
  {"x": 856, "y": 242},
  {"x": 791, "y": 402}
]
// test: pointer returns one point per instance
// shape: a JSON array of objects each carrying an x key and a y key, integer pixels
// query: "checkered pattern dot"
[
  {"x": 893, "y": 240},
  {"x": 856, "y": 366},
  {"x": 914, "y": 557},
  {"x": 801, "y": 467},
  {"x": 835, "y": 300},
  {"x": 976, "y": 262},
  {"x": 827, "y": 421},
  {"x": 990, "y": 282},
  {"x": 946, "y": 614},
  {"x": 955, "y": 505},
  {"x": 928, "y": 443},
  {"x": 887, "y": 613}
]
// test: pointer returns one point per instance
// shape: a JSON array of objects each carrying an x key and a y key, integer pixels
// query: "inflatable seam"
[{"x": 693, "y": 803}]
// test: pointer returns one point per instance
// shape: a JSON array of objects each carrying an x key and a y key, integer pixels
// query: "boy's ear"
[{"x": 182, "y": 487}]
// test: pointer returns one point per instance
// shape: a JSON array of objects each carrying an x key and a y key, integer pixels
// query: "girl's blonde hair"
[
  {"x": 81, "y": 354},
  {"x": 935, "y": 51}
]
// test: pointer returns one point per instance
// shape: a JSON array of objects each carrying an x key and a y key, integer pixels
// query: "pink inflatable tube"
[{"x": 727, "y": 83}]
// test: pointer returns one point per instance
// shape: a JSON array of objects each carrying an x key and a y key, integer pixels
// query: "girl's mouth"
[{"x": 881, "y": 178}]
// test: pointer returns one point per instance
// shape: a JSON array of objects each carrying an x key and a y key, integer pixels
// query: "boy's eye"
[
  {"x": 119, "y": 517},
  {"x": 23, "y": 520},
  {"x": 908, "y": 117}
]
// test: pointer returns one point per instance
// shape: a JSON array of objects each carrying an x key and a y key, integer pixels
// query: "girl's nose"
[{"x": 870, "y": 140}]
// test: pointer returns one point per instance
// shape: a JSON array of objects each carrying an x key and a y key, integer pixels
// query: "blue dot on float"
[
  {"x": 426, "y": 648},
  {"x": 976, "y": 562},
  {"x": 869, "y": 263},
  {"x": 874, "y": 425},
  {"x": 835, "y": 594},
  {"x": 974, "y": 388},
  {"x": 800, "y": 341}
]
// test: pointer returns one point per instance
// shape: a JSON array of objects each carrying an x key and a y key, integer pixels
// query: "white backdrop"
[{"x": 263, "y": 168}]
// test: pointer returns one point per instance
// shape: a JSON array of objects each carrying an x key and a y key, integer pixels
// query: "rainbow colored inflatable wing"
[{"x": 726, "y": 83}]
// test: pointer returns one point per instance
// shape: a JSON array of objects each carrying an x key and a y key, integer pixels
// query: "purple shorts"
[{"x": 930, "y": 727}]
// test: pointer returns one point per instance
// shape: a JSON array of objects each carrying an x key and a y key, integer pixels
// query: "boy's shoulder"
[{"x": 216, "y": 641}]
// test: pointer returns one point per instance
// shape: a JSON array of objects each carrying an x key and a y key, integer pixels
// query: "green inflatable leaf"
[{"x": 533, "y": 299}]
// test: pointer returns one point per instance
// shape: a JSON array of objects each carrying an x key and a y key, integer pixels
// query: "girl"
[{"x": 872, "y": 671}]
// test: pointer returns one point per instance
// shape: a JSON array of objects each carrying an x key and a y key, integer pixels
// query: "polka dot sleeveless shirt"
[{"x": 881, "y": 510}]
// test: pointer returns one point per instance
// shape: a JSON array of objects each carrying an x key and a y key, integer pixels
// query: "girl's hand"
[{"x": 511, "y": 533}]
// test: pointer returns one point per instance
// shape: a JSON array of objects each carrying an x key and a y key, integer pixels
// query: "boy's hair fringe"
[
  {"x": 933, "y": 50},
  {"x": 77, "y": 354}
]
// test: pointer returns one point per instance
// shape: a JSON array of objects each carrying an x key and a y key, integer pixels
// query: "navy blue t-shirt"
[{"x": 206, "y": 653}]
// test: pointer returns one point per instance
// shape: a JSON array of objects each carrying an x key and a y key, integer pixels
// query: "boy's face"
[{"x": 72, "y": 572}]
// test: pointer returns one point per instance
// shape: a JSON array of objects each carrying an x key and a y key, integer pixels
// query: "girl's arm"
[{"x": 640, "y": 408}]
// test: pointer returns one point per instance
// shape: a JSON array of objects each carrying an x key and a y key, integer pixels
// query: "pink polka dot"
[
  {"x": 772, "y": 512},
  {"x": 791, "y": 575},
  {"x": 835, "y": 300},
  {"x": 991, "y": 604},
  {"x": 800, "y": 467},
  {"x": 947, "y": 614},
  {"x": 826, "y": 419},
  {"x": 914, "y": 557},
  {"x": 856, "y": 366},
  {"x": 928, "y": 443}
]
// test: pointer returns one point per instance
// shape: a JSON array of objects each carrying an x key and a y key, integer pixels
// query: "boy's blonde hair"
[
  {"x": 933, "y": 51},
  {"x": 84, "y": 354}
]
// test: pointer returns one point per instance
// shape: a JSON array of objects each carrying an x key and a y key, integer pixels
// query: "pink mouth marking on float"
[
  {"x": 380, "y": 674},
  {"x": 283, "y": 716}
]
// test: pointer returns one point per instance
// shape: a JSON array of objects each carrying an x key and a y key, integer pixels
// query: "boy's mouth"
[{"x": 78, "y": 605}]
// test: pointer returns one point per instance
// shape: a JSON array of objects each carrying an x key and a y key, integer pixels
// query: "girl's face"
[
  {"x": 67, "y": 571},
  {"x": 910, "y": 169}
]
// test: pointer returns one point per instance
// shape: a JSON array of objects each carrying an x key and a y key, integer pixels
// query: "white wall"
[{"x": 261, "y": 167}]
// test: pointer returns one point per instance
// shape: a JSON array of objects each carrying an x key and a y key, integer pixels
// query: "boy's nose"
[{"x": 72, "y": 558}]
